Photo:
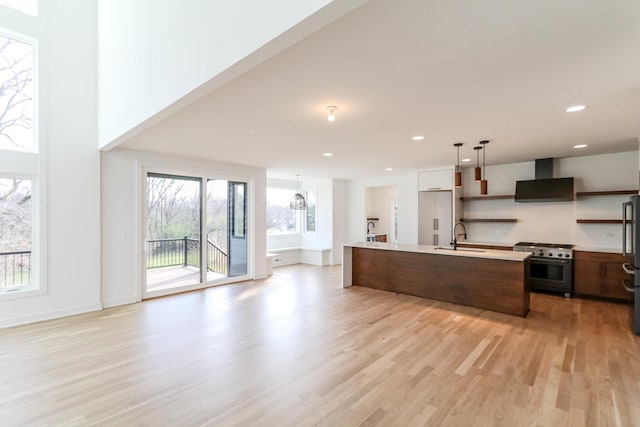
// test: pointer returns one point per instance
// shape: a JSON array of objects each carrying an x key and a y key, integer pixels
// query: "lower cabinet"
[{"x": 600, "y": 274}]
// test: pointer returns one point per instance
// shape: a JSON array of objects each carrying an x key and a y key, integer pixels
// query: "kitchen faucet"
[
  {"x": 368, "y": 230},
  {"x": 454, "y": 243}
]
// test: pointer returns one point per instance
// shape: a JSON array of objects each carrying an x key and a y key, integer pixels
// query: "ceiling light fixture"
[
  {"x": 575, "y": 108},
  {"x": 465, "y": 160},
  {"x": 327, "y": 154},
  {"x": 458, "y": 173},
  {"x": 580, "y": 146},
  {"x": 297, "y": 201},
  {"x": 477, "y": 172},
  {"x": 332, "y": 110},
  {"x": 483, "y": 181},
  {"x": 389, "y": 169},
  {"x": 417, "y": 138}
]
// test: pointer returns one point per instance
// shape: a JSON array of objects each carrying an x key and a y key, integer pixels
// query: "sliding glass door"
[
  {"x": 173, "y": 249},
  {"x": 196, "y": 232}
]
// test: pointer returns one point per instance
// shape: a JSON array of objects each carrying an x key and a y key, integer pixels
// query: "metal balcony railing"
[
  {"x": 184, "y": 252},
  {"x": 15, "y": 269}
]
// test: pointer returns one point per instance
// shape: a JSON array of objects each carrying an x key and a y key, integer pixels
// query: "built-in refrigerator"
[{"x": 630, "y": 241}]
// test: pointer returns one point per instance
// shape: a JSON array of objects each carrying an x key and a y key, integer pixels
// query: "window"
[
  {"x": 16, "y": 213},
  {"x": 26, "y": 6},
  {"x": 311, "y": 212},
  {"x": 22, "y": 210},
  {"x": 16, "y": 95},
  {"x": 280, "y": 217}
]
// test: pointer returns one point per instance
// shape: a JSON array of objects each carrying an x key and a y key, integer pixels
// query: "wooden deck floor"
[
  {"x": 176, "y": 276},
  {"x": 297, "y": 349}
]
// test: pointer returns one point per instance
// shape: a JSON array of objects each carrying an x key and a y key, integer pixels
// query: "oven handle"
[
  {"x": 625, "y": 222},
  {"x": 550, "y": 260},
  {"x": 628, "y": 288}
]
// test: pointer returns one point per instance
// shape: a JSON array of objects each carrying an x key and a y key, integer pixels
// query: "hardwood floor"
[{"x": 298, "y": 349}]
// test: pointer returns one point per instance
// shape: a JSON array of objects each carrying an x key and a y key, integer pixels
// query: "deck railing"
[
  {"x": 15, "y": 269},
  {"x": 184, "y": 252}
]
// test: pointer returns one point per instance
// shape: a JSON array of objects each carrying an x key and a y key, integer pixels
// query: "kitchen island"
[{"x": 488, "y": 279}]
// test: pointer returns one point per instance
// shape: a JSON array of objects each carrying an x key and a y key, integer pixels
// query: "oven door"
[{"x": 554, "y": 275}]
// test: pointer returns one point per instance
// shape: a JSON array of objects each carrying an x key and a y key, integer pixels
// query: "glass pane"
[
  {"x": 15, "y": 240},
  {"x": 173, "y": 231},
  {"x": 238, "y": 210},
  {"x": 217, "y": 229},
  {"x": 280, "y": 217},
  {"x": 26, "y": 6},
  {"x": 311, "y": 211},
  {"x": 16, "y": 95}
]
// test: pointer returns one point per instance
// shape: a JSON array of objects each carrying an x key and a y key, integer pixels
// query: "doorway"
[{"x": 195, "y": 233}]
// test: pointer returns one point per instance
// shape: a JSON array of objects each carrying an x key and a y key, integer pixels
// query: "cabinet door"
[
  {"x": 441, "y": 179},
  {"x": 612, "y": 281},
  {"x": 587, "y": 276}
]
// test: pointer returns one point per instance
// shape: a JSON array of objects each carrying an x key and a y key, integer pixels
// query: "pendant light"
[
  {"x": 483, "y": 181},
  {"x": 477, "y": 171},
  {"x": 297, "y": 201},
  {"x": 458, "y": 173}
]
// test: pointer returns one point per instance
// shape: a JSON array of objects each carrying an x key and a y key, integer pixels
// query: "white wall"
[
  {"x": 122, "y": 231},
  {"x": 71, "y": 166},
  {"x": 407, "y": 206},
  {"x": 154, "y": 52},
  {"x": 554, "y": 222}
]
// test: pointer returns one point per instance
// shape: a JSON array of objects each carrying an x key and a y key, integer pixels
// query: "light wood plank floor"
[{"x": 296, "y": 349}]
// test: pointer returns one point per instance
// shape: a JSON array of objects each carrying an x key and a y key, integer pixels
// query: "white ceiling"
[{"x": 453, "y": 71}]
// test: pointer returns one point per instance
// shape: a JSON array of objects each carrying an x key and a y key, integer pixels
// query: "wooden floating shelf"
[
  {"x": 599, "y": 221},
  {"x": 605, "y": 193},
  {"x": 488, "y": 220},
  {"x": 373, "y": 219},
  {"x": 467, "y": 198}
]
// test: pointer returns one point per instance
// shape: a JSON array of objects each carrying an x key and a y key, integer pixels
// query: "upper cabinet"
[{"x": 434, "y": 180}]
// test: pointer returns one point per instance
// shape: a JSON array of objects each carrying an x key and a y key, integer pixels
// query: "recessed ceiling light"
[
  {"x": 417, "y": 138},
  {"x": 327, "y": 154},
  {"x": 580, "y": 146},
  {"x": 575, "y": 108},
  {"x": 465, "y": 160},
  {"x": 389, "y": 169}
]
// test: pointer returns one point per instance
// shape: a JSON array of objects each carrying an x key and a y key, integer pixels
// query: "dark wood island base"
[{"x": 491, "y": 284}]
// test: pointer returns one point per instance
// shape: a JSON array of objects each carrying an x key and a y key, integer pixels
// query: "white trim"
[
  {"x": 203, "y": 174},
  {"x": 48, "y": 315}
]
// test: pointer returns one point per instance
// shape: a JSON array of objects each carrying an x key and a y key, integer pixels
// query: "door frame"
[{"x": 203, "y": 176}]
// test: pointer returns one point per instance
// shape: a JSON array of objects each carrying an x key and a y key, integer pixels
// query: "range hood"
[{"x": 545, "y": 188}]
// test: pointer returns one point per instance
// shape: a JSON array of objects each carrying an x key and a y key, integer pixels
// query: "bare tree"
[{"x": 16, "y": 78}]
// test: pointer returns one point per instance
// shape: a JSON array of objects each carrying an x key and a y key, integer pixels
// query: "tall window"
[
  {"x": 280, "y": 217},
  {"x": 16, "y": 95},
  {"x": 15, "y": 240},
  {"x": 311, "y": 212},
  {"x": 20, "y": 209}
]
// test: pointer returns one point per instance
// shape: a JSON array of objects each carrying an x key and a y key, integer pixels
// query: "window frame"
[
  {"x": 30, "y": 164},
  {"x": 305, "y": 218}
]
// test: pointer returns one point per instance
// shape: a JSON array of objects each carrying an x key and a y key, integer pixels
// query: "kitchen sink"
[{"x": 459, "y": 249}]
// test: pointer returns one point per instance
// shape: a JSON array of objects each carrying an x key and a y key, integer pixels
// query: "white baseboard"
[
  {"x": 120, "y": 301},
  {"x": 48, "y": 315}
]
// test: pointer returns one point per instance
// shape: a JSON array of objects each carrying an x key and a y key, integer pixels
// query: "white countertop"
[
  {"x": 428, "y": 249},
  {"x": 597, "y": 249}
]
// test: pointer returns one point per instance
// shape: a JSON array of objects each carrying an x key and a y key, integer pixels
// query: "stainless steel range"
[{"x": 551, "y": 266}]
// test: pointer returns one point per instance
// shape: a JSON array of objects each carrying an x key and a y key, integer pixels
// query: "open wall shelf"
[
  {"x": 599, "y": 221},
  {"x": 605, "y": 193},
  {"x": 488, "y": 220},
  {"x": 469, "y": 198}
]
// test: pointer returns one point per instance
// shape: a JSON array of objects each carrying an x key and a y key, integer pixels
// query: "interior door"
[{"x": 237, "y": 235}]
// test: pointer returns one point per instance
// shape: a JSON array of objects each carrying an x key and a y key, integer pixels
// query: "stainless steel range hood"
[{"x": 545, "y": 188}]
